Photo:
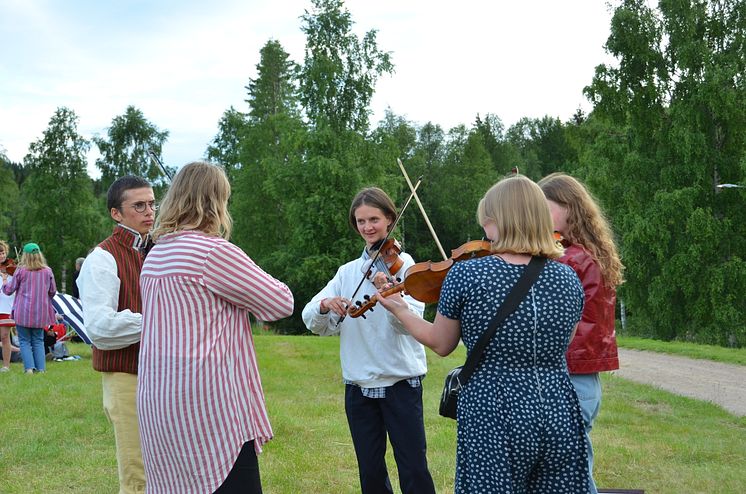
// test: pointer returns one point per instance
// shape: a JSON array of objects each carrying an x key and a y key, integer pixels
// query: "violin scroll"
[
  {"x": 471, "y": 249},
  {"x": 360, "y": 308}
]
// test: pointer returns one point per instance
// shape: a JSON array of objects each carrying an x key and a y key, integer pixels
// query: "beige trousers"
[{"x": 120, "y": 393}]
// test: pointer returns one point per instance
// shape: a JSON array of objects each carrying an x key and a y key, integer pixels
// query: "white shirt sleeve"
[
  {"x": 315, "y": 321},
  {"x": 98, "y": 284},
  {"x": 6, "y": 301}
]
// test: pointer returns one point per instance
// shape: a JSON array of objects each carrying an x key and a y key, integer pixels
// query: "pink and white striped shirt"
[{"x": 199, "y": 395}]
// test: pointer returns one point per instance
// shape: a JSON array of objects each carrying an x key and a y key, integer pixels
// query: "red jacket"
[
  {"x": 593, "y": 349},
  {"x": 60, "y": 330}
]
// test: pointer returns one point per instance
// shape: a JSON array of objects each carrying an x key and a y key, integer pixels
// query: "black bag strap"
[{"x": 511, "y": 303}]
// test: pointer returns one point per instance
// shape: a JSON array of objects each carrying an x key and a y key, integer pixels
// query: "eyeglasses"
[{"x": 141, "y": 206}]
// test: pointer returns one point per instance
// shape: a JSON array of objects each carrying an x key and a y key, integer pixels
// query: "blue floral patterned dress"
[{"x": 520, "y": 428}]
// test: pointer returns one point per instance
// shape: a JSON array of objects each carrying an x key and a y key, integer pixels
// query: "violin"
[
  {"x": 385, "y": 258},
  {"x": 390, "y": 251},
  {"x": 8, "y": 266},
  {"x": 424, "y": 280}
]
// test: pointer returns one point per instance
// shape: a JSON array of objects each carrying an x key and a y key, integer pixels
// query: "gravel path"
[{"x": 722, "y": 384}]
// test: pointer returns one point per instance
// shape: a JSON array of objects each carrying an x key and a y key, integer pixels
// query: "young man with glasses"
[{"x": 109, "y": 284}]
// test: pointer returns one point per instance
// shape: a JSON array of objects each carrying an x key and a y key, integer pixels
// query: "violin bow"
[
  {"x": 388, "y": 234},
  {"x": 165, "y": 171},
  {"x": 422, "y": 210}
]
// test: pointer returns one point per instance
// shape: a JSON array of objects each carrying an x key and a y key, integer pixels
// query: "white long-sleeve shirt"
[
  {"x": 375, "y": 351},
  {"x": 99, "y": 284},
  {"x": 6, "y": 301}
]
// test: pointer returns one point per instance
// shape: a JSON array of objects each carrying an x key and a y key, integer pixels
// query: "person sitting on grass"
[{"x": 54, "y": 340}]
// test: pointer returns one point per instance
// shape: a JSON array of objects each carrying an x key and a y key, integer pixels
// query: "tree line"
[{"x": 667, "y": 127}]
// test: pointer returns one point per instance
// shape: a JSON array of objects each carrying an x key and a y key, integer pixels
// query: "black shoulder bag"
[{"x": 460, "y": 375}]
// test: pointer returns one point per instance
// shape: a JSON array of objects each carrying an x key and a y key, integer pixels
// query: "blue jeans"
[
  {"x": 31, "y": 342},
  {"x": 588, "y": 389}
]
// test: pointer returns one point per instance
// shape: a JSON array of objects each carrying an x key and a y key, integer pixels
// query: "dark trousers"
[
  {"x": 244, "y": 476},
  {"x": 399, "y": 415}
]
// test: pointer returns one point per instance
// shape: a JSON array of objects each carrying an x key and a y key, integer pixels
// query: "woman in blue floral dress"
[{"x": 520, "y": 428}]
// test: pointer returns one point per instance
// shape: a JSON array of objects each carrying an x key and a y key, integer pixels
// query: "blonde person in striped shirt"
[
  {"x": 34, "y": 286},
  {"x": 200, "y": 401}
]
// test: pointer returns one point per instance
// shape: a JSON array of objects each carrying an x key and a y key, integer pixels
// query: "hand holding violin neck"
[{"x": 358, "y": 309}]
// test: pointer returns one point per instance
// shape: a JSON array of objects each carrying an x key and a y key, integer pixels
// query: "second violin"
[{"x": 424, "y": 280}]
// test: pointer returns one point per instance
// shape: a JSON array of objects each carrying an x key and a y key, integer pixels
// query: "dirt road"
[{"x": 722, "y": 384}]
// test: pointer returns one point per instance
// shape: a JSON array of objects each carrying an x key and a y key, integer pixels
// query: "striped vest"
[{"x": 121, "y": 244}]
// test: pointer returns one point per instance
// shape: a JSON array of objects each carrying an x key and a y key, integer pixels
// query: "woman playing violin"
[
  {"x": 382, "y": 365},
  {"x": 519, "y": 423}
]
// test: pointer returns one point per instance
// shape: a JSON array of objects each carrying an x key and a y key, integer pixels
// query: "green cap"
[{"x": 31, "y": 248}]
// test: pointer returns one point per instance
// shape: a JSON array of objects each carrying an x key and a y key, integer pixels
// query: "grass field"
[
  {"x": 692, "y": 350},
  {"x": 56, "y": 439}
]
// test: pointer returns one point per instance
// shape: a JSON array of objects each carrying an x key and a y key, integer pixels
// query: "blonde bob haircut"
[
  {"x": 33, "y": 261},
  {"x": 197, "y": 200},
  {"x": 516, "y": 205}
]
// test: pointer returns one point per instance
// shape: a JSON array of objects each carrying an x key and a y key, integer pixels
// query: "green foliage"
[
  {"x": 543, "y": 146},
  {"x": 295, "y": 182},
  {"x": 340, "y": 70},
  {"x": 275, "y": 90},
  {"x": 125, "y": 152},
  {"x": 320, "y": 238},
  {"x": 502, "y": 150},
  {"x": 225, "y": 148},
  {"x": 394, "y": 139},
  {"x": 58, "y": 210},
  {"x": 669, "y": 127},
  {"x": 456, "y": 186},
  {"x": 273, "y": 115},
  {"x": 9, "y": 206}
]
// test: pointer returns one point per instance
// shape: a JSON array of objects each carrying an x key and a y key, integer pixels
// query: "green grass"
[
  {"x": 692, "y": 350},
  {"x": 56, "y": 439}
]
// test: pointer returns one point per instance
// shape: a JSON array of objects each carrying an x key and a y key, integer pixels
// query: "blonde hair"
[
  {"x": 586, "y": 223},
  {"x": 4, "y": 247},
  {"x": 196, "y": 200},
  {"x": 524, "y": 224},
  {"x": 33, "y": 261}
]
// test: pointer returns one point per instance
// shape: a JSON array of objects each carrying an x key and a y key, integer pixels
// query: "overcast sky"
[{"x": 184, "y": 62}]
